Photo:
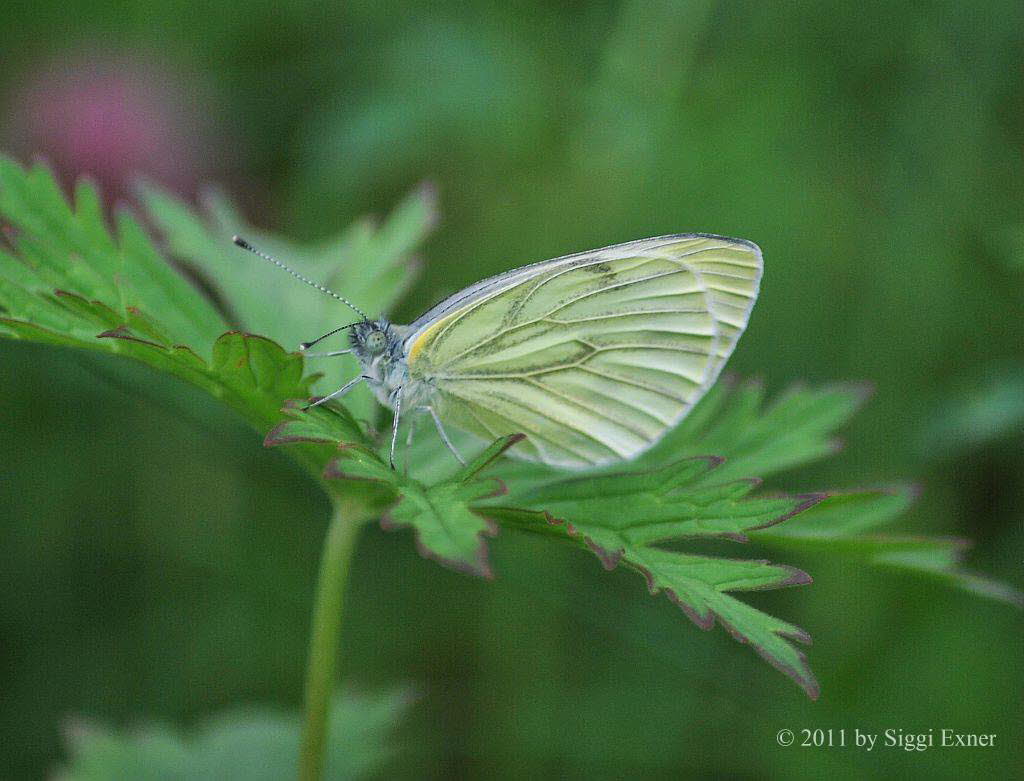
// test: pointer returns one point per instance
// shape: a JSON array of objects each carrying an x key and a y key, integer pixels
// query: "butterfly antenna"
[
  {"x": 307, "y": 345},
  {"x": 238, "y": 240}
]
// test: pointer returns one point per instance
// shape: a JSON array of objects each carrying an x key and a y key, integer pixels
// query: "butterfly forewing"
[{"x": 593, "y": 356}]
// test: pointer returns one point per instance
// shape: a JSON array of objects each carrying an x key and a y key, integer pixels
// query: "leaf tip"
[
  {"x": 609, "y": 558},
  {"x": 712, "y": 461},
  {"x": 835, "y": 445},
  {"x": 276, "y": 435},
  {"x": 478, "y": 565},
  {"x": 487, "y": 457},
  {"x": 794, "y": 577},
  {"x": 500, "y": 489},
  {"x": 799, "y": 672},
  {"x": 429, "y": 194},
  {"x": 734, "y": 537},
  {"x": 373, "y": 468},
  {"x": 704, "y": 621},
  {"x": 121, "y": 332},
  {"x": 861, "y": 390},
  {"x": 728, "y": 379},
  {"x": 805, "y": 502},
  {"x": 914, "y": 490}
]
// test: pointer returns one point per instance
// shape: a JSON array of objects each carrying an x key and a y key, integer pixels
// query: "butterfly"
[{"x": 593, "y": 356}]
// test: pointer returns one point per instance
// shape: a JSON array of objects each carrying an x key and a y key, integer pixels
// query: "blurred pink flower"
[{"x": 114, "y": 119}]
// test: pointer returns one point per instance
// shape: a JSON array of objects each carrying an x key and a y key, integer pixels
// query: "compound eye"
[{"x": 376, "y": 342}]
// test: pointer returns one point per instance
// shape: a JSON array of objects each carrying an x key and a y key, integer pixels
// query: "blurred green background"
[{"x": 156, "y": 565}]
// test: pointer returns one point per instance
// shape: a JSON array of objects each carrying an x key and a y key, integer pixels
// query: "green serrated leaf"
[
  {"x": 249, "y": 744},
  {"x": 621, "y": 516},
  {"x": 842, "y": 513},
  {"x": 368, "y": 264},
  {"x": 71, "y": 279},
  {"x": 674, "y": 501},
  {"x": 486, "y": 457},
  {"x": 449, "y": 527},
  {"x": 700, "y": 586},
  {"x": 759, "y": 439},
  {"x": 836, "y": 526},
  {"x": 324, "y": 424},
  {"x": 57, "y": 247}
]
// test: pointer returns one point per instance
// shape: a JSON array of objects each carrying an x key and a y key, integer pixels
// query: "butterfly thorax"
[{"x": 379, "y": 346}]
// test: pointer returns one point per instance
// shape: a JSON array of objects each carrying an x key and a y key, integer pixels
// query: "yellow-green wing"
[{"x": 593, "y": 356}]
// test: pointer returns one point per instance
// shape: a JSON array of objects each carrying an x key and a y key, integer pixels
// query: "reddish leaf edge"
[
  {"x": 479, "y": 565},
  {"x": 278, "y": 435},
  {"x": 806, "y": 500},
  {"x": 801, "y": 675}
]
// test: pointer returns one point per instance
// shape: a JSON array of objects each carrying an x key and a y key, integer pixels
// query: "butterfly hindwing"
[{"x": 593, "y": 356}]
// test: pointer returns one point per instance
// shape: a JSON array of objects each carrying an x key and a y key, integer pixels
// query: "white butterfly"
[{"x": 593, "y": 356}]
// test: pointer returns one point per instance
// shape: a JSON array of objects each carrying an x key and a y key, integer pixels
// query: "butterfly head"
[{"x": 372, "y": 339}]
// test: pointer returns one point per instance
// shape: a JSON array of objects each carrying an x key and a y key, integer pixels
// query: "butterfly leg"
[
  {"x": 394, "y": 424},
  {"x": 444, "y": 435},
  {"x": 340, "y": 392},
  {"x": 408, "y": 441}
]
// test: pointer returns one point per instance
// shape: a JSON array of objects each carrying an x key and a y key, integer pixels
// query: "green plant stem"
[{"x": 325, "y": 639}]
